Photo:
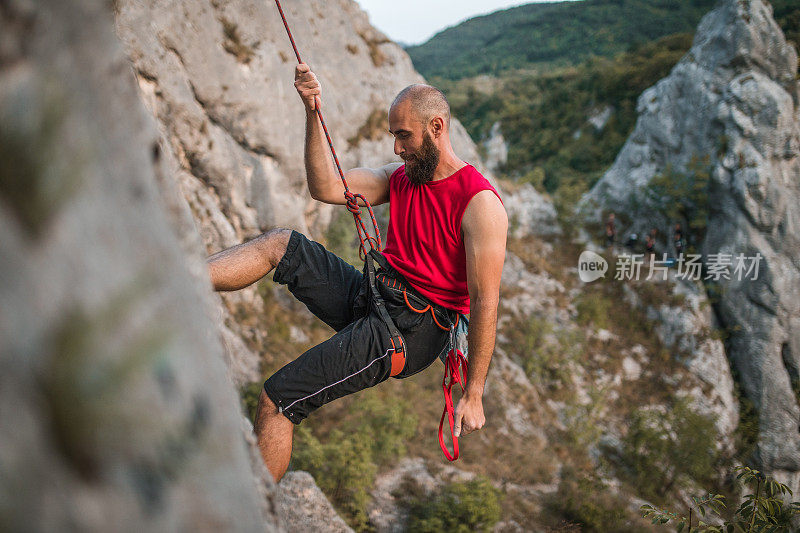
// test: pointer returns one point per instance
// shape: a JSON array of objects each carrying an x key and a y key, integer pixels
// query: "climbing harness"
[
  {"x": 398, "y": 346},
  {"x": 455, "y": 362}
]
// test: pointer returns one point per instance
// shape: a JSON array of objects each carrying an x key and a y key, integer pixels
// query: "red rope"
[
  {"x": 350, "y": 198},
  {"x": 455, "y": 366}
]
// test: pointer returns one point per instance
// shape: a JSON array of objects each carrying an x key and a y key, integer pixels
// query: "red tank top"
[{"x": 424, "y": 241}]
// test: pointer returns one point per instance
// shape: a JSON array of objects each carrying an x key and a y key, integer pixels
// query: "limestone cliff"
[
  {"x": 733, "y": 99},
  {"x": 116, "y": 409}
]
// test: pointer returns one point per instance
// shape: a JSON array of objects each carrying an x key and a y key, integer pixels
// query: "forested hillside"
[
  {"x": 564, "y": 125},
  {"x": 564, "y": 128},
  {"x": 540, "y": 36}
]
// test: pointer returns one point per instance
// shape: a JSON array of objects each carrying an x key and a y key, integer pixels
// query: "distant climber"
[
  {"x": 445, "y": 249},
  {"x": 633, "y": 240},
  {"x": 650, "y": 243},
  {"x": 677, "y": 239},
  {"x": 611, "y": 231}
]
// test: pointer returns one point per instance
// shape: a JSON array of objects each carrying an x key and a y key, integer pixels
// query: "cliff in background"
[{"x": 729, "y": 114}]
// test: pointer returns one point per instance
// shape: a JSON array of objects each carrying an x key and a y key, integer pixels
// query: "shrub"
[
  {"x": 660, "y": 448},
  {"x": 387, "y": 426},
  {"x": 683, "y": 196},
  {"x": 249, "y": 397},
  {"x": 746, "y": 434},
  {"x": 594, "y": 308},
  {"x": 342, "y": 467},
  {"x": 460, "y": 507},
  {"x": 341, "y": 237},
  {"x": 584, "y": 500},
  {"x": 345, "y": 464}
]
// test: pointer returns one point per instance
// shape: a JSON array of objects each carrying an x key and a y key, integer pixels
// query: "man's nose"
[{"x": 397, "y": 148}]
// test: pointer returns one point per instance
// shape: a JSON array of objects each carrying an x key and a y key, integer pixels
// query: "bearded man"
[{"x": 444, "y": 253}]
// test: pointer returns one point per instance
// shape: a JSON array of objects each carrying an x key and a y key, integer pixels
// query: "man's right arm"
[{"x": 324, "y": 183}]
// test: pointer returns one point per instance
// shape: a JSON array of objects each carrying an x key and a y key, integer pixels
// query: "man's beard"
[{"x": 421, "y": 166}]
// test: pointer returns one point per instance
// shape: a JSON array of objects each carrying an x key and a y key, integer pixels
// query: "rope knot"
[{"x": 352, "y": 202}]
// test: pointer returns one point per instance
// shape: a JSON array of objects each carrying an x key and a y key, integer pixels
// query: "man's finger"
[{"x": 457, "y": 427}]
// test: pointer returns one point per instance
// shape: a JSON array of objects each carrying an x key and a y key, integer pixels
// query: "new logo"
[{"x": 591, "y": 266}]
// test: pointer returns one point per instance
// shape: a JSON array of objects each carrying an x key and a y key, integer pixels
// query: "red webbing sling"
[{"x": 455, "y": 359}]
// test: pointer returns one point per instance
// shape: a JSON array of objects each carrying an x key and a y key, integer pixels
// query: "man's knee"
[
  {"x": 265, "y": 411},
  {"x": 276, "y": 241}
]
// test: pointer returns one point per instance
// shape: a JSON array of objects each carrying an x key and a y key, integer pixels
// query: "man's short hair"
[{"x": 426, "y": 101}]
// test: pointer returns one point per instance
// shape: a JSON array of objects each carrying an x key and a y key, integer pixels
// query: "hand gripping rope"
[
  {"x": 455, "y": 363},
  {"x": 351, "y": 198}
]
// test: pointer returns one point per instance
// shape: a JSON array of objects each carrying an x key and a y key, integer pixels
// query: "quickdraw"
[{"x": 455, "y": 364}]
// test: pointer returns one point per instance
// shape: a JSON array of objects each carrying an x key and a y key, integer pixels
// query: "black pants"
[{"x": 359, "y": 354}]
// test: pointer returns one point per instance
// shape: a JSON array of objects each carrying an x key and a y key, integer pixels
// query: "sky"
[{"x": 416, "y": 21}]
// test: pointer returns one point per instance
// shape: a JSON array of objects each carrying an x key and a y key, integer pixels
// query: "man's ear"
[{"x": 437, "y": 127}]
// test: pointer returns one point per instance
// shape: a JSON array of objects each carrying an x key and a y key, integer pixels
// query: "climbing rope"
[
  {"x": 350, "y": 197},
  {"x": 455, "y": 366}
]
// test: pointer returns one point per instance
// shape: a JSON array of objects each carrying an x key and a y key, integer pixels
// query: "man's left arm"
[{"x": 484, "y": 226}]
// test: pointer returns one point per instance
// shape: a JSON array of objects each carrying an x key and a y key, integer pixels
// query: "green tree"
[
  {"x": 762, "y": 510},
  {"x": 683, "y": 196}
]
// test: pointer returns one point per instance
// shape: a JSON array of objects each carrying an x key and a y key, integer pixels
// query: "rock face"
[
  {"x": 685, "y": 330},
  {"x": 116, "y": 411},
  {"x": 734, "y": 98},
  {"x": 530, "y": 213},
  {"x": 496, "y": 148},
  {"x": 218, "y": 77},
  {"x": 303, "y": 507}
]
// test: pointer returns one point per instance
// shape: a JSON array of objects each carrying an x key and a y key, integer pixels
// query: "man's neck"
[{"x": 448, "y": 165}]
